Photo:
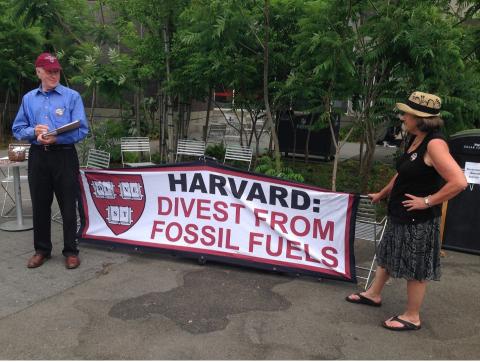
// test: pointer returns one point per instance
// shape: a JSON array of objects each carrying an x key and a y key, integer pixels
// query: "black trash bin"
[
  {"x": 462, "y": 220},
  {"x": 320, "y": 144}
]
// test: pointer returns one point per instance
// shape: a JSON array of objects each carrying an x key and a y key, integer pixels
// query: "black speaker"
[{"x": 462, "y": 220}]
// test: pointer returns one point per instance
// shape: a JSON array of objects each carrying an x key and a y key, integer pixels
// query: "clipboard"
[{"x": 65, "y": 128}]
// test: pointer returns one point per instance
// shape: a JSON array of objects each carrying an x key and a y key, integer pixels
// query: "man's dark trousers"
[{"x": 53, "y": 170}]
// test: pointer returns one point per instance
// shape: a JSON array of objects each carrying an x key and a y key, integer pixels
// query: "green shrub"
[
  {"x": 156, "y": 158},
  {"x": 217, "y": 151},
  {"x": 107, "y": 138},
  {"x": 266, "y": 165}
]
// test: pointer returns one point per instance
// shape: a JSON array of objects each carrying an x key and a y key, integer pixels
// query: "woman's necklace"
[{"x": 416, "y": 143}]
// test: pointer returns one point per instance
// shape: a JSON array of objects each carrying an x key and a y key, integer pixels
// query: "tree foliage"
[{"x": 157, "y": 56}]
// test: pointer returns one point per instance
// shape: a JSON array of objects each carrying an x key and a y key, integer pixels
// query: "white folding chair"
[
  {"x": 138, "y": 146},
  {"x": 216, "y": 133},
  {"x": 238, "y": 153},
  {"x": 95, "y": 159},
  {"x": 187, "y": 147},
  {"x": 4, "y": 182},
  {"x": 368, "y": 228},
  {"x": 98, "y": 159},
  {"x": 8, "y": 180}
]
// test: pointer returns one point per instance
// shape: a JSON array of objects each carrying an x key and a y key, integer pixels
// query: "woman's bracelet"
[{"x": 427, "y": 201}]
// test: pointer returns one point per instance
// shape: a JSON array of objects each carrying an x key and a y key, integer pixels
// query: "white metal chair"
[
  {"x": 95, "y": 159},
  {"x": 367, "y": 227},
  {"x": 98, "y": 159},
  {"x": 216, "y": 133},
  {"x": 238, "y": 153},
  {"x": 139, "y": 146},
  {"x": 8, "y": 180},
  {"x": 187, "y": 147}
]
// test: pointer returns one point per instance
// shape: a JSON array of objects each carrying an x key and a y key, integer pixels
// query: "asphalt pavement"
[{"x": 131, "y": 305}]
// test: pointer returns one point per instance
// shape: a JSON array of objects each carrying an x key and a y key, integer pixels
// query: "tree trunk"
[
  {"x": 369, "y": 153},
  {"x": 3, "y": 118},
  {"x": 335, "y": 169},
  {"x": 65, "y": 79},
  {"x": 253, "y": 119},
  {"x": 181, "y": 119},
  {"x": 92, "y": 108},
  {"x": 270, "y": 139},
  {"x": 66, "y": 27},
  {"x": 307, "y": 141},
  {"x": 169, "y": 116},
  {"x": 258, "y": 136},
  {"x": 241, "y": 126},
  {"x": 338, "y": 146},
  {"x": 270, "y": 143},
  {"x": 294, "y": 130},
  {"x": 265, "y": 86},
  {"x": 161, "y": 114},
  {"x": 136, "y": 100},
  {"x": 207, "y": 118},
  {"x": 253, "y": 133},
  {"x": 362, "y": 141},
  {"x": 188, "y": 115},
  {"x": 20, "y": 90}
]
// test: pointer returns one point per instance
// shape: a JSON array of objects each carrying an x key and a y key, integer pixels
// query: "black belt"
[{"x": 47, "y": 148}]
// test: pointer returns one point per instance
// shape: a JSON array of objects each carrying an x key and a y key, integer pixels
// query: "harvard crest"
[{"x": 120, "y": 199}]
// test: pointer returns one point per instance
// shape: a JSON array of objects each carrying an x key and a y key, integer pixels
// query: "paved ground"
[{"x": 126, "y": 305}]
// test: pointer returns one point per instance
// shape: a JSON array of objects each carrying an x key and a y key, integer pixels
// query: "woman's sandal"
[
  {"x": 363, "y": 300},
  {"x": 406, "y": 326}
]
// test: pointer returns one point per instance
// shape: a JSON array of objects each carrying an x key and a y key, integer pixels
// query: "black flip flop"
[
  {"x": 363, "y": 300},
  {"x": 406, "y": 326}
]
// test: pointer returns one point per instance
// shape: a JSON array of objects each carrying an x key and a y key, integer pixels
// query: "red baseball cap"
[{"x": 47, "y": 61}]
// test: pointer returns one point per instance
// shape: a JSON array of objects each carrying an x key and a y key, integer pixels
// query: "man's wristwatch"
[{"x": 427, "y": 201}]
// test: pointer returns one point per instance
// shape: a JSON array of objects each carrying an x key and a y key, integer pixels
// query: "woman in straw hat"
[{"x": 410, "y": 247}]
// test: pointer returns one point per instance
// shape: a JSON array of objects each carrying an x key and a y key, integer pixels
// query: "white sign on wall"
[{"x": 472, "y": 172}]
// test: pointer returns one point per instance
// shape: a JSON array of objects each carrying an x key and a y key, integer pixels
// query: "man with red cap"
[{"x": 53, "y": 162}]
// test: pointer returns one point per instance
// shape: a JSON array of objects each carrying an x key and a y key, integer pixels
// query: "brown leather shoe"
[
  {"x": 72, "y": 262},
  {"x": 37, "y": 260}
]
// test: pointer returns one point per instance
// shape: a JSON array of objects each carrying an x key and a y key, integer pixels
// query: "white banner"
[{"x": 222, "y": 213}]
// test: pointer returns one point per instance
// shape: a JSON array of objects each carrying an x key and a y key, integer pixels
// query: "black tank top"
[{"x": 415, "y": 177}]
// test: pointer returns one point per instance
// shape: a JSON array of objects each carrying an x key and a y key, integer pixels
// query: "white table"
[{"x": 20, "y": 223}]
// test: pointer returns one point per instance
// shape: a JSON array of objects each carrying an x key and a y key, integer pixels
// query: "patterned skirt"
[{"x": 411, "y": 251}]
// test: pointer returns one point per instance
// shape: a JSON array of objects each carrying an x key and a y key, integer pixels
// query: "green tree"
[
  {"x": 18, "y": 48},
  {"x": 324, "y": 68},
  {"x": 393, "y": 48},
  {"x": 101, "y": 73},
  {"x": 403, "y": 47},
  {"x": 147, "y": 28},
  {"x": 240, "y": 45},
  {"x": 64, "y": 16},
  {"x": 202, "y": 50},
  {"x": 464, "y": 111}
]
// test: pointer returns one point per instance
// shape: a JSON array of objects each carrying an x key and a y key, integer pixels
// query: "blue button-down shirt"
[{"x": 54, "y": 108}]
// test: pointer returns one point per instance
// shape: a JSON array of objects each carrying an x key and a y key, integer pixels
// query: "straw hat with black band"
[{"x": 421, "y": 105}]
